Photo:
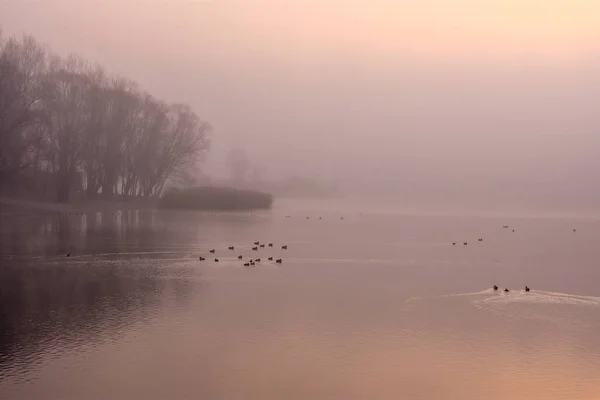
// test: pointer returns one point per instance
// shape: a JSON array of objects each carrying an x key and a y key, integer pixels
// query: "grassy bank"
[{"x": 215, "y": 198}]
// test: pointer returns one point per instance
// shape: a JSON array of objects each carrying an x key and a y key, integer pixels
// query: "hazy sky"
[{"x": 434, "y": 92}]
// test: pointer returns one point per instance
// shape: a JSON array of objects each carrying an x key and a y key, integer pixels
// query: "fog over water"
[
  {"x": 469, "y": 104},
  {"x": 462, "y": 137}
]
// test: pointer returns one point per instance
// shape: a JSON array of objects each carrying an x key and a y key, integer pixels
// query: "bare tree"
[
  {"x": 65, "y": 101},
  {"x": 22, "y": 65},
  {"x": 84, "y": 130}
]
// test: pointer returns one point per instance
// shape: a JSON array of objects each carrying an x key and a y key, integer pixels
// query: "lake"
[{"x": 369, "y": 302}]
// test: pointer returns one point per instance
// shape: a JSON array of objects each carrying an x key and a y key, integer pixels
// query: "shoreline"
[{"x": 45, "y": 207}]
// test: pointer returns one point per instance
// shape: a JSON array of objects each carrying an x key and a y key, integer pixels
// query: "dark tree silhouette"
[{"x": 68, "y": 125}]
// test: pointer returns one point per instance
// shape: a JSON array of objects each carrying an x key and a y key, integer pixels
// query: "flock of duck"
[
  {"x": 252, "y": 261},
  {"x": 506, "y": 289},
  {"x": 256, "y": 246}
]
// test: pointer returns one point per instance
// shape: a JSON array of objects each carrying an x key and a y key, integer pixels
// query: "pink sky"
[{"x": 355, "y": 89}]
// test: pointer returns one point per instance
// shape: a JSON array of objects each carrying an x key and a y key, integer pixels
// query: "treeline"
[{"x": 66, "y": 127}]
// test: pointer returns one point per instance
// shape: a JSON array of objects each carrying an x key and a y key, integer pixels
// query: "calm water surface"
[{"x": 377, "y": 305}]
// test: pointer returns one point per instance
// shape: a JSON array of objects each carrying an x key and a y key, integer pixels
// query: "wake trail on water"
[
  {"x": 543, "y": 297},
  {"x": 491, "y": 297},
  {"x": 468, "y": 294}
]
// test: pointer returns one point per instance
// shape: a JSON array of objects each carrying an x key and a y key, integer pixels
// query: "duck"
[
  {"x": 279, "y": 261},
  {"x": 246, "y": 264},
  {"x": 262, "y": 245},
  {"x": 257, "y": 260},
  {"x": 527, "y": 288},
  {"x": 257, "y": 243},
  {"x": 255, "y": 248},
  {"x": 480, "y": 240},
  {"x": 453, "y": 243},
  {"x": 574, "y": 230},
  {"x": 284, "y": 247},
  {"x": 495, "y": 287},
  {"x": 68, "y": 254},
  {"x": 201, "y": 258},
  {"x": 216, "y": 260},
  {"x": 270, "y": 244},
  {"x": 506, "y": 290},
  {"x": 212, "y": 251},
  {"x": 270, "y": 258},
  {"x": 465, "y": 243},
  {"x": 231, "y": 248},
  {"x": 240, "y": 257}
]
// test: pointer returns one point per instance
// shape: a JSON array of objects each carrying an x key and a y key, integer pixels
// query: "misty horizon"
[{"x": 497, "y": 114}]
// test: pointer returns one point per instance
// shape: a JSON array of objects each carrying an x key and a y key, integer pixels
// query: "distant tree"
[
  {"x": 258, "y": 174},
  {"x": 239, "y": 165}
]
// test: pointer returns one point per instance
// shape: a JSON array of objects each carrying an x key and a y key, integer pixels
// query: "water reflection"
[
  {"x": 64, "y": 307},
  {"x": 53, "y": 303},
  {"x": 134, "y": 311},
  {"x": 119, "y": 231}
]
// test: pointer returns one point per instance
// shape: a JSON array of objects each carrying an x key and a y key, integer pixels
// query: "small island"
[{"x": 215, "y": 198}]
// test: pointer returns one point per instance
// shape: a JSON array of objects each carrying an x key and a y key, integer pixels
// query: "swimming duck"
[
  {"x": 262, "y": 245},
  {"x": 270, "y": 258},
  {"x": 212, "y": 251},
  {"x": 216, "y": 260},
  {"x": 465, "y": 243},
  {"x": 506, "y": 290},
  {"x": 255, "y": 248},
  {"x": 257, "y": 260},
  {"x": 527, "y": 288},
  {"x": 284, "y": 247},
  {"x": 68, "y": 254},
  {"x": 201, "y": 258},
  {"x": 246, "y": 264},
  {"x": 480, "y": 240},
  {"x": 270, "y": 244},
  {"x": 453, "y": 243},
  {"x": 495, "y": 287},
  {"x": 240, "y": 257},
  {"x": 279, "y": 261},
  {"x": 257, "y": 243},
  {"x": 231, "y": 248}
]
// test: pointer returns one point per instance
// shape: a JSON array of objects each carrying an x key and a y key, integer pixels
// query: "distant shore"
[
  {"x": 32, "y": 206},
  {"x": 209, "y": 198}
]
